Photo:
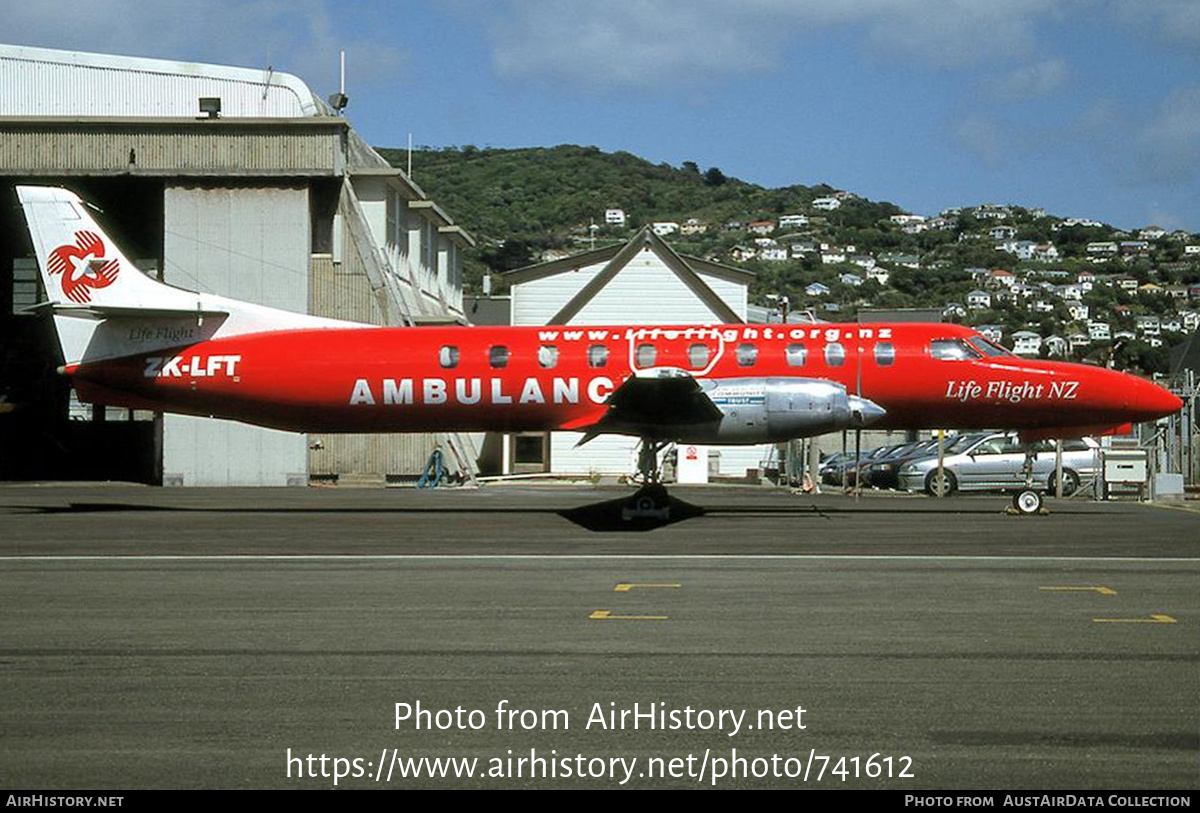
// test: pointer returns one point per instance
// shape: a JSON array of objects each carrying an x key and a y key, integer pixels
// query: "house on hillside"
[
  {"x": 993, "y": 333},
  {"x": 979, "y": 300},
  {"x": 1027, "y": 343}
]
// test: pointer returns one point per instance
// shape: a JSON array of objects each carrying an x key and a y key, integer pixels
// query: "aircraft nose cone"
[
  {"x": 1156, "y": 401},
  {"x": 864, "y": 412}
]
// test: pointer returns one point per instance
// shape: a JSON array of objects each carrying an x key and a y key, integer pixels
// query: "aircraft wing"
[{"x": 663, "y": 397}]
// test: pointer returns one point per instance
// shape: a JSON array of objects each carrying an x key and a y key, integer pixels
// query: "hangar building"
[{"x": 233, "y": 181}]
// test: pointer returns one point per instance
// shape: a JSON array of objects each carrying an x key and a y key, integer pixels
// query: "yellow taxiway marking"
[
  {"x": 606, "y": 615},
  {"x": 625, "y": 587},
  {"x": 1104, "y": 591},
  {"x": 1155, "y": 618}
]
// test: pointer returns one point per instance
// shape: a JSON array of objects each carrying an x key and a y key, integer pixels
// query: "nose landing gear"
[{"x": 1028, "y": 501}]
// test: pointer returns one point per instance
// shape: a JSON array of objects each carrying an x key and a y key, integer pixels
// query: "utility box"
[
  {"x": 1168, "y": 488},
  {"x": 1126, "y": 471}
]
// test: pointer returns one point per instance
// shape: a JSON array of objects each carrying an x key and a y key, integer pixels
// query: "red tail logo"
[{"x": 83, "y": 267}]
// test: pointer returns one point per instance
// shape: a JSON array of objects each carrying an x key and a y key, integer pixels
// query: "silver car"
[{"x": 996, "y": 462}]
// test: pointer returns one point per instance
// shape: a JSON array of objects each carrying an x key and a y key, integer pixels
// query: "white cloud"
[
  {"x": 293, "y": 36},
  {"x": 984, "y": 138},
  {"x": 1170, "y": 142},
  {"x": 652, "y": 43},
  {"x": 1031, "y": 81},
  {"x": 1173, "y": 20}
]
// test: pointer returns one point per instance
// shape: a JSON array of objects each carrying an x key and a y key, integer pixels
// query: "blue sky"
[{"x": 1089, "y": 108}]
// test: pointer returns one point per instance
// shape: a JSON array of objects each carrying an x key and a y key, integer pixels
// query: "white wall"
[{"x": 644, "y": 292}]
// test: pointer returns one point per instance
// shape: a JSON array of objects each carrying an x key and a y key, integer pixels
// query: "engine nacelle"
[{"x": 767, "y": 410}]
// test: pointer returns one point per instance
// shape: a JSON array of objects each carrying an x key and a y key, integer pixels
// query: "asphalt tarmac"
[{"x": 197, "y": 638}]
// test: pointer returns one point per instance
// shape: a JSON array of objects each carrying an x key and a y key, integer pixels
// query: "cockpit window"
[
  {"x": 952, "y": 350},
  {"x": 988, "y": 348}
]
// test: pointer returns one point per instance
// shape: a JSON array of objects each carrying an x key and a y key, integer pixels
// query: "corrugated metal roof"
[{"x": 47, "y": 82}]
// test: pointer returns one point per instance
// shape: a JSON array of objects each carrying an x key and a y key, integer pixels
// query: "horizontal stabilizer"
[{"x": 113, "y": 312}]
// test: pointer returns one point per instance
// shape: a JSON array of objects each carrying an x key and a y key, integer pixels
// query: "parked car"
[
  {"x": 831, "y": 467},
  {"x": 884, "y": 472},
  {"x": 995, "y": 462},
  {"x": 845, "y": 468}
]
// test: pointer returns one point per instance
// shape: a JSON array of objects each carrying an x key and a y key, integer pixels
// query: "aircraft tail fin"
[
  {"x": 90, "y": 282},
  {"x": 81, "y": 266}
]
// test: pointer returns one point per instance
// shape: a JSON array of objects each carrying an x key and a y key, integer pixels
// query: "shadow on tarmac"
[
  {"x": 607, "y": 516},
  {"x": 603, "y": 516}
]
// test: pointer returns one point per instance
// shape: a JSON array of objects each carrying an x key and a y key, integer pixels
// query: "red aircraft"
[{"x": 130, "y": 341}]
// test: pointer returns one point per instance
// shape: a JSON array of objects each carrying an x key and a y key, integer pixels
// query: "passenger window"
[
  {"x": 797, "y": 355},
  {"x": 835, "y": 354},
  {"x": 548, "y": 356},
  {"x": 647, "y": 354},
  {"x": 597, "y": 355},
  {"x": 698, "y": 356},
  {"x": 448, "y": 356},
  {"x": 498, "y": 356},
  {"x": 885, "y": 354},
  {"x": 747, "y": 354}
]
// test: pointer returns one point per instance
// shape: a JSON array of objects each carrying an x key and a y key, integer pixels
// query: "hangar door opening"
[{"x": 250, "y": 243}]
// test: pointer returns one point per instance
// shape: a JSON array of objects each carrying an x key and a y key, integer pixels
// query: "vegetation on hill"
[
  {"x": 547, "y": 197},
  {"x": 524, "y": 205}
]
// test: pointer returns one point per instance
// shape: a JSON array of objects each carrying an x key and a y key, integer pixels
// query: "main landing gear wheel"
[
  {"x": 651, "y": 501},
  {"x": 1027, "y": 502}
]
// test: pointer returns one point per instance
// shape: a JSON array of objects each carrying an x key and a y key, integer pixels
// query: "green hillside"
[
  {"x": 540, "y": 198},
  {"x": 524, "y": 205}
]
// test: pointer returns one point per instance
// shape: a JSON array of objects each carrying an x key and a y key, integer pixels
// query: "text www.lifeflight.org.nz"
[{"x": 712, "y": 766}]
